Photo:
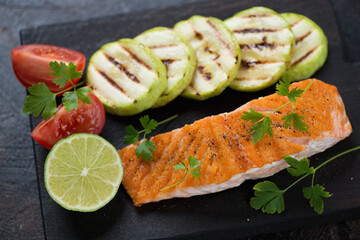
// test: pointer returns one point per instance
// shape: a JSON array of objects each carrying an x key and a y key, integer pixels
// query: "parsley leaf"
[
  {"x": 145, "y": 149},
  {"x": 316, "y": 194},
  {"x": 147, "y": 124},
  {"x": 296, "y": 121},
  {"x": 252, "y": 116},
  {"x": 196, "y": 173},
  {"x": 298, "y": 168},
  {"x": 41, "y": 99},
  {"x": 179, "y": 166},
  {"x": 294, "y": 94},
  {"x": 282, "y": 88},
  {"x": 64, "y": 73},
  {"x": 81, "y": 94},
  {"x": 258, "y": 130},
  {"x": 193, "y": 162},
  {"x": 192, "y": 169},
  {"x": 268, "y": 197},
  {"x": 132, "y": 135},
  {"x": 70, "y": 100}
]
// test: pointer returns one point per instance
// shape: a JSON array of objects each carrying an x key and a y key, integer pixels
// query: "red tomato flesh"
[
  {"x": 87, "y": 118},
  {"x": 31, "y": 63}
]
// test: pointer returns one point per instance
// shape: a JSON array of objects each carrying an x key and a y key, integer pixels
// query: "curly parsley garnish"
[
  {"x": 42, "y": 101},
  {"x": 192, "y": 168},
  {"x": 146, "y": 147},
  {"x": 270, "y": 199},
  {"x": 262, "y": 123}
]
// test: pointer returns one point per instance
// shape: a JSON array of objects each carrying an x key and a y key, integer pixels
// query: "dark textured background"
[{"x": 20, "y": 212}]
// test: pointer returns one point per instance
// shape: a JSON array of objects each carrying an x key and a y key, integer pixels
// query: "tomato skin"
[
  {"x": 31, "y": 63},
  {"x": 87, "y": 118}
]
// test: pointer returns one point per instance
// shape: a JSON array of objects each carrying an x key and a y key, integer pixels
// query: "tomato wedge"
[
  {"x": 31, "y": 63},
  {"x": 87, "y": 118}
]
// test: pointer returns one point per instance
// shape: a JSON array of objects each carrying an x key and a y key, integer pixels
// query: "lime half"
[{"x": 83, "y": 172}]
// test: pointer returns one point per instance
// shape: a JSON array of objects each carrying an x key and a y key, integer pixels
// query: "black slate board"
[{"x": 221, "y": 215}]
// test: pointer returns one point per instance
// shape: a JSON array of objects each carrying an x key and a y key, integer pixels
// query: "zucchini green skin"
[
  {"x": 253, "y": 86},
  {"x": 103, "y": 90},
  {"x": 310, "y": 65},
  {"x": 173, "y": 89},
  {"x": 203, "y": 94}
]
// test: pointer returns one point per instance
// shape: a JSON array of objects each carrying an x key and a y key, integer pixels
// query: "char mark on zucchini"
[
  {"x": 111, "y": 81},
  {"x": 256, "y": 16},
  {"x": 198, "y": 35},
  {"x": 295, "y": 23},
  {"x": 302, "y": 58},
  {"x": 301, "y": 38},
  {"x": 206, "y": 75},
  {"x": 264, "y": 44},
  {"x": 248, "y": 79},
  {"x": 245, "y": 64},
  {"x": 133, "y": 56},
  {"x": 122, "y": 68},
  {"x": 167, "y": 62},
  {"x": 255, "y": 30},
  {"x": 218, "y": 35},
  {"x": 163, "y": 46}
]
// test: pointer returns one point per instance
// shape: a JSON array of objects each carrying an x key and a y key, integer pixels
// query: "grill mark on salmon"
[
  {"x": 112, "y": 82},
  {"x": 225, "y": 149},
  {"x": 301, "y": 38},
  {"x": 133, "y": 56},
  {"x": 302, "y": 58},
  {"x": 122, "y": 68},
  {"x": 256, "y": 30}
]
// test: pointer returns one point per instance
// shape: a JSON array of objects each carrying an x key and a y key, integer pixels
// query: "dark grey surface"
[{"x": 20, "y": 214}]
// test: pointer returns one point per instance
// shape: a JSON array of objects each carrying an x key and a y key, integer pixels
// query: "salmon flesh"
[{"x": 225, "y": 148}]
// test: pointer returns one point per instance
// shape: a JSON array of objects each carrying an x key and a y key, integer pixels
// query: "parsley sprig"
[
  {"x": 146, "y": 147},
  {"x": 192, "y": 168},
  {"x": 262, "y": 123},
  {"x": 270, "y": 199},
  {"x": 42, "y": 101}
]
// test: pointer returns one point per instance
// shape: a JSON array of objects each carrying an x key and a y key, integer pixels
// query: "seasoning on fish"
[{"x": 226, "y": 151}]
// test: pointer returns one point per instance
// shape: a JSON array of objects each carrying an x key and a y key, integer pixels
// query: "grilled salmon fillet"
[{"x": 226, "y": 151}]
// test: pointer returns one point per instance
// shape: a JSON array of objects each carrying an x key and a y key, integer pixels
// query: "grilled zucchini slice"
[
  {"x": 311, "y": 47},
  {"x": 266, "y": 42},
  {"x": 126, "y": 76},
  {"x": 217, "y": 52},
  {"x": 176, "y": 54}
]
